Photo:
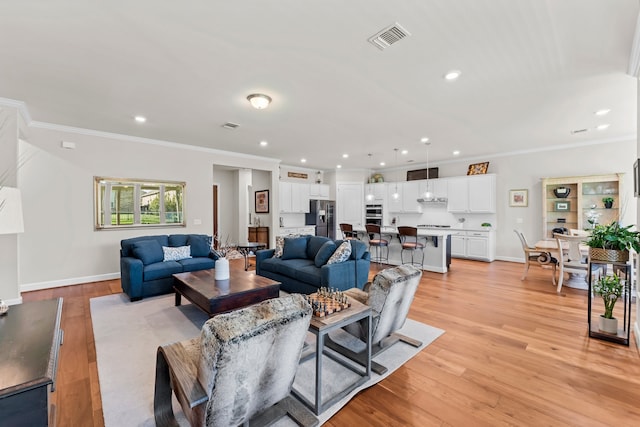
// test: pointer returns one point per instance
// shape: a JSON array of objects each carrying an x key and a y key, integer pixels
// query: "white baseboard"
[
  {"x": 67, "y": 282},
  {"x": 14, "y": 301},
  {"x": 510, "y": 259}
]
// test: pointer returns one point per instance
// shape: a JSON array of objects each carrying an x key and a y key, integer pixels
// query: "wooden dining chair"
[
  {"x": 535, "y": 255},
  {"x": 570, "y": 258}
]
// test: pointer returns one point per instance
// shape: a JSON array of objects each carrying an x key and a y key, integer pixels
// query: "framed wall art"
[
  {"x": 562, "y": 206},
  {"x": 262, "y": 201},
  {"x": 478, "y": 168},
  {"x": 519, "y": 198}
]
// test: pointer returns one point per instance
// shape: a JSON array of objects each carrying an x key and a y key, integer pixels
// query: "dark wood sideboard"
[
  {"x": 30, "y": 338},
  {"x": 259, "y": 234}
]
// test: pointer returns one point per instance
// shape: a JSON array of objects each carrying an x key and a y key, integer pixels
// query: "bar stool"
[
  {"x": 348, "y": 233},
  {"x": 409, "y": 242},
  {"x": 376, "y": 241}
]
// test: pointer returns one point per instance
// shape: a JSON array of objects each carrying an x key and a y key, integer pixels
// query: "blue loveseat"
[
  {"x": 143, "y": 271},
  {"x": 303, "y": 268}
]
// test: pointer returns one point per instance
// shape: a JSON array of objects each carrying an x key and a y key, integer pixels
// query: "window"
[{"x": 138, "y": 203}]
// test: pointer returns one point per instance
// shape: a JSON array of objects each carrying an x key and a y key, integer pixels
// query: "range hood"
[{"x": 432, "y": 200}]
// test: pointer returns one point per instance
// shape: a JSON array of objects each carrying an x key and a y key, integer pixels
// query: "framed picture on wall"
[
  {"x": 262, "y": 201},
  {"x": 519, "y": 198}
]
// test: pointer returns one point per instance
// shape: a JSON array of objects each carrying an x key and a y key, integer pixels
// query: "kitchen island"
[{"x": 437, "y": 250}]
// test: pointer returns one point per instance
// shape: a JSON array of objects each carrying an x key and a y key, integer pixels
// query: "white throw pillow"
[
  {"x": 176, "y": 253},
  {"x": 341, "y": 254}
]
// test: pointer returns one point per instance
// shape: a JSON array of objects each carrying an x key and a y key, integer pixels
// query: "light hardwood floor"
[{"x": 514, "y": 353}]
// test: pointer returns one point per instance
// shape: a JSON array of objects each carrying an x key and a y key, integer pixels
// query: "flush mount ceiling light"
[
  {"x": 602, "y": 112},
  {"x": 456, "y": 153},
  {"x": 263, "y": 143},
  {"x": 424, "y": 139},
  {"x": 259, "y": 100},
  {"x": 303, "y": 160},
  {"x": 345, "y": 156},
  {"x": 602, "y": 127},
  {"x": 404, "y": 152},
  {"x": 452, "y": 75},
  {"x": 140, "y": 119},
  {"x": 338, "y": 166}
]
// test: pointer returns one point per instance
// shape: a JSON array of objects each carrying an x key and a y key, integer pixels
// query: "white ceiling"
[{"x": 532, "y": 71}]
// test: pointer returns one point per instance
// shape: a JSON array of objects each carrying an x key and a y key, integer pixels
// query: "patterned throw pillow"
[
  {"x": 280, "y": 245},
  {"x": 341, "y": 254},
  {"x": 176, "y": 253}
]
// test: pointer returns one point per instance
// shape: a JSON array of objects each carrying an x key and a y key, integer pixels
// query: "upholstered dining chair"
[
  {"x": 240, "y": 370},
  {"x": 570, "y": 258},
  {"x": 347, "y": 232},
  {"x": 532, "y": 254},
  {"x": 409, "y": 242},
  {"x": 389, "y": 295},
  {"x": 376, "y": 241}
]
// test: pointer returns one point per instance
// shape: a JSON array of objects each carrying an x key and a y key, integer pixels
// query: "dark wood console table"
[{"x": 30, "y": 338}]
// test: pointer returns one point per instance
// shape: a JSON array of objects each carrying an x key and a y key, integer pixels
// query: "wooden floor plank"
[{"x": 514, "y": 353}]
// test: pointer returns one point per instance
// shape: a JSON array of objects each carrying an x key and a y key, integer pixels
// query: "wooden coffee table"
[{"x": 218, "y": 296}]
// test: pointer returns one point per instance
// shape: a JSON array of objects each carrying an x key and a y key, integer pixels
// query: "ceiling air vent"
[
  {"x": 388, "y": 36},
  {"x": 230, "y": 125},
  {"x": 573, "y": 132}
]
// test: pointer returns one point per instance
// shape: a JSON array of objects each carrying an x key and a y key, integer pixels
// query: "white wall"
[{"x": 60, "y": 245}]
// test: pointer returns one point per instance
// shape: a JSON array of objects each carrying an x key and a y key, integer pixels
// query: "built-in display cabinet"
[{"x": 574, "y": 202}]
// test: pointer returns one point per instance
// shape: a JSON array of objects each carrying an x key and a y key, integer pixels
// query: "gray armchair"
[
  {"x": 390, "y": 296},
  {"x": 240, "y": 370}
]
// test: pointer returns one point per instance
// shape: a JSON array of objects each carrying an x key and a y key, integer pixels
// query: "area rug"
[{"x": 128, "y": 334}]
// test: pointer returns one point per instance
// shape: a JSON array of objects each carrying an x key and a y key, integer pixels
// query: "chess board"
[{"x": 328, "y": 301}]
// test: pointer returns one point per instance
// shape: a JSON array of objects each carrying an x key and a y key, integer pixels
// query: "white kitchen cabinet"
[
  {"x": 472, "y": 194},
  {"x": 410, "y": 194},
  {"x": 478, "y": 245},
  {"x": 437, "y": 187},
  {"x": 377, "y": 190},
  {"x": 407, "y": 200},
  {"x": 319, "y": 191},
  {"x": 394, "y": 204},
  {"x": 294, "y": 198}
]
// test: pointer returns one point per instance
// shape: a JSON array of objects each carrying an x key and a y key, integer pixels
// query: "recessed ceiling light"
[
  {"x": 338, "y": 166},
  {"x": 603, "y": 126},
  {"x": 424, "y": 139},
  {"x": 263, "y": 143},
  {"x": 452, "y": 75},
  {"x": 404, "y": 152},
  {"x": 602, "y": 112},
  {"x": 140, "y": 119},
  {"x": 382, "y": 163},
  {"x": 456, "y": 153},
  {"x": 345, "y": 156},
  {"x": 303, "y": 160}
]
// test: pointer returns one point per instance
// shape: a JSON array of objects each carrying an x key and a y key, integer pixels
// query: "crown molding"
[{"x": 20, "y": 106}]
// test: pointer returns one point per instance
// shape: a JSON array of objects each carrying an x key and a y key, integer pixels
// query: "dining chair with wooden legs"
[{"x": 533, "y": 254}]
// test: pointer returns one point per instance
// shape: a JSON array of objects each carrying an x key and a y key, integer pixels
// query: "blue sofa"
[
  {"x": 143, "y": 271},
  {"x": 305, "y": 270}
]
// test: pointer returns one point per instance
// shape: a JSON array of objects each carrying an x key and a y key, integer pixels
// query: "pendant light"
[
  {"x": 428, "y": 194},
  {"x": 396, "y": 195},
  {"x": 370, "y": 196}
]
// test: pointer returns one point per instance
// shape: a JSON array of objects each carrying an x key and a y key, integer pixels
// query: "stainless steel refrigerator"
[{"x": 322, "y": 215}]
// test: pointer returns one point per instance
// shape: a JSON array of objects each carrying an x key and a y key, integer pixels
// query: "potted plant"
[
  {"x": 610, "y": 289},
  {"x": 485, "y": 225},
  {"x": 612, "y": 242},
  {"x": 608, "y": 202}
]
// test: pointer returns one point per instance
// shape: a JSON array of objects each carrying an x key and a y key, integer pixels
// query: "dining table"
[{"x": 550, "y": 247}]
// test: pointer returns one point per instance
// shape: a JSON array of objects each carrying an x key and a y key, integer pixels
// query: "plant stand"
[{"x": 622, "y": 309}]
